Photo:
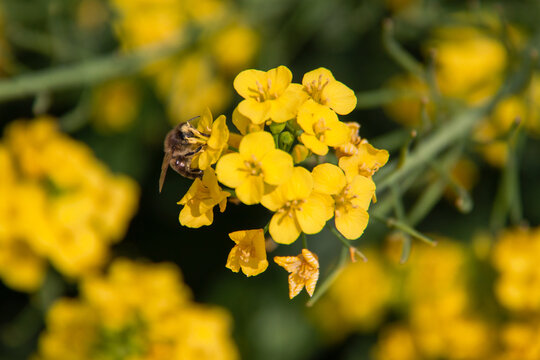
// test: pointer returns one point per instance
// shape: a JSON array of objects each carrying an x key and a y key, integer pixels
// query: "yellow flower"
[
  {"x": 321, "y": 127},
  {"x": 257, "y": 165},
  {"x": 200, "y": 200},
  {"x": 234, "y": 47},
  {"x": 350, "y": 147},
  {"x": 212, "y": 139},
  {"x": 351, "y": 198},
  {"x": 268, "y": 95},
  {"x": 325, "y": 90},
  {"x": 115, "y": 105},
  {"x": 299, "y": 153},
  {"x": 304, "y": 271},
  {"x": 366, "y": 162},
  {"x": 244, "y": 124},
  {"x": 249, "y": 253},
  {"x": 297, "y": 208}
]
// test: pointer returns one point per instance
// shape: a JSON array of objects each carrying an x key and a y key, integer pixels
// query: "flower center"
[
  {"x": 261, "y": 94},
  {"x": 319, "y": 128},
  {"x": 290, "y": 206},
  {"x": 306, "y": 270},
  {"x": 315, "y": 88},
  {"x": 246, "y": 252},
  {"x": 344, "y": 199},
  {"x": 253, "y": 166}
]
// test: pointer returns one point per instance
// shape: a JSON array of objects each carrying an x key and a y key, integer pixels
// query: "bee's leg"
[{"x": 191, "y": 153}]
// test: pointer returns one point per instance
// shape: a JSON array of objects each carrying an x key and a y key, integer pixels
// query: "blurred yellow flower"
[
  {"x": 407, "y": 109},
  {"x": 200, "y": 200},
  {"x": 297, "y": 208},
  {"x": 62, "y": 205},
  {"x": 234, "y": 47},
  {"x": 515, "y": 256},
  {"x": 366, "y": 162},
  {"x": 470, "y": 62},
  {"x": 249, "y": 253},
  {"x": 520, "y": 340},
  {"x": 351, "y": 198},
  {"x": 115, "y": 105},
  {"x": 396, "y": 342},
  {"x": 212, "y": 139},
  {"x": 268, "y": 95},
  {"x": 143, "y": 311},
  {"x": 257, "y": 165},
  {"x": 321, "y": 86},
  {"x": 321, "y": 127},
  {"x": 303, "y": 269}
]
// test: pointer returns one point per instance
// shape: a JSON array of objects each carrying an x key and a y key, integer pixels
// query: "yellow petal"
[
  {"x": 339, "y": 97},
  {"x": 352, "y": 223},
  {"x": 241, "y": 122},
  {"x": 296, "y": 284},
  {"x": 310, "y": 112},
  {"x": 251, "y": 190},
  {"x": 299, "y": 153},
  {"x": 337, "y": 135},
  {"x": 328, "y": 179},
  {"x": 189, "y": 219},
  {"x": 274, "y": 200},
  {"x": 318, "y": 75},
  {"x": 310, "y": 258},
  {"x": 299, "y": 185},
  {"x": 256, "y": 111},
  {"x": 204, "y": 123},
  {"x": 277, "y": 167},
  {"x": 284, "y": 229},
  {"x": 279, "y": 80},
  {"x": 231, "y": 170},
  {"x": 289, "y": 263},
  {"x": 313, "y": 144},
  {"x": 313, "y": 215},
  {"x": 257, "y": 144},
  {"x": 233, "y": 260},
  {"x": 364, "y": 190},
  {"x": 246, "y": 82},
  {"x": 192, "y": 192},
  {"x": 220, "y": 134},
  {"x": 350, "y": 165}
]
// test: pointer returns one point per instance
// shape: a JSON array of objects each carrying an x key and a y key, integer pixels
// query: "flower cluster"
[
  {"x": 449, "y": 285},
  {"x": 470, "y": 65},
  {"x": 199, "y": 78},
  {"x": 281, "y": 124},
  {"x": 58, "y": 203},
  {"x": 136, "y": 311}
]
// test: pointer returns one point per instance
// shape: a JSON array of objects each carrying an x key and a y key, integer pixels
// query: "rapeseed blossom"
[
  {"x": 280, "y": 123},
  {"x": 303, "y": 269},
  {"x": 143, "y": 310},
  {"x": 59, "y": 205},
  {"x": 256, "y": 167},
  {"x": 249, "y": 253}
]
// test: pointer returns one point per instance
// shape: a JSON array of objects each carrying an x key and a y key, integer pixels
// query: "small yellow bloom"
[
  {"x": 200, "y": 200},
  {"x": 268, "y": 95},
  {"x": 299, "y": 153},
  {"x": 350, "y": 147},
  {"x": 257, "y": 165},
  {"x": 249, "y": 253},
  {"x": 325, "y": 90},
  {"x": 297, "y": 208},
  {"x": 321, "y": 127},
  {"x": 366, "y": 162},
  {"x": 304, "y": 271},
  {"x": 213, "y": 140},
  {"x": 351, "y": 198},
  {"x": 244, "y": 124}
]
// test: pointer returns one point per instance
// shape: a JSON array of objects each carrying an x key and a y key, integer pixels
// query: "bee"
[{"x": 180, "y": 145}]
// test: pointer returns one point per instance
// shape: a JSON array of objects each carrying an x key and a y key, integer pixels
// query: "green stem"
[
  {"x": 347, "y": 245},
  {"x": 304, "y": 240},
  {"x": 87, "y": 72},
  {"x": 393, "y": 223},
  {"x": 396, "y": 51},
  {"x": 323, "y": 288},
  {"x": 380, "y": 97}
]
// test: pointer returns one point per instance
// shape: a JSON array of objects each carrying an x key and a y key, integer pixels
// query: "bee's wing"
[{"x": 164, "y": 167}]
